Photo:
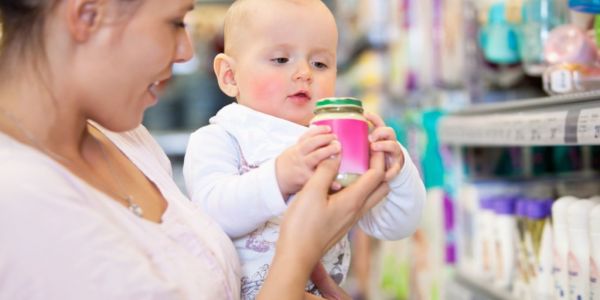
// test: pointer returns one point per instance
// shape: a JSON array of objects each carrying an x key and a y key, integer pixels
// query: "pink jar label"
[{"x": 353, "y": 135}]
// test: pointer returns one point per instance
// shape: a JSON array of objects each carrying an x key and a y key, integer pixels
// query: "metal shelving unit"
[
  {"x": 561, "y": 120},
  {"x": 549, "y": 121}
]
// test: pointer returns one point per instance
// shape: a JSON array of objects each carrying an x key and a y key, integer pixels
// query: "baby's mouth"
[{"x": 300, "y": 96}]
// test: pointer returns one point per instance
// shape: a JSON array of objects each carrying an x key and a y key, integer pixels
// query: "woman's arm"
[{"x": 315, "y": 221}]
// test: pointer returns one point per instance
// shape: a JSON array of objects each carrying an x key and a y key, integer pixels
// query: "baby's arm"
[
  {"x": 239, "y": 203},
  {"x": 242, "y": 203},
  {"x": 399, "y": 214}
]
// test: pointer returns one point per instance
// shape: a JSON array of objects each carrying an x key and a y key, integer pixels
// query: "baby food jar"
[{"x": 345, "y": 118}]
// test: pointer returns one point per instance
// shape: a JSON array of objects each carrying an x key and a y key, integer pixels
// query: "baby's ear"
[{"x": 224, "y": 66}]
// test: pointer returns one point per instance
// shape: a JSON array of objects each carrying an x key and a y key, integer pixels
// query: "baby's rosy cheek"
[{"x": 266, "y": 86}]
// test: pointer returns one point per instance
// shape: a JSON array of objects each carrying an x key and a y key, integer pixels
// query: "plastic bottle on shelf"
[
  {"x": 485, "y": 242},
  {"x": 568, "y": 78},
  {"x": 505, "y": 257},
  {"x": 541, "y": 234},
  {"x": 569, "y": 44},
  {"x": 595, "y": 253},
  {"x": 521, "y": 287},
  {"x": 539, "y": 17},
  {"x": 561, "y": 246},
  {"x": 531, "y": 237},
  {"x": 498, "y": 38},
  {"x": 578, "y": 260},
  {"x": 468, "y": 199}
]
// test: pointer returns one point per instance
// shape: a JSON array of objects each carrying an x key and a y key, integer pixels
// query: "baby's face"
[{"x": 286, "y": 59}]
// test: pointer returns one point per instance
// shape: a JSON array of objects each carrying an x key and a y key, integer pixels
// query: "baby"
[{"x": 243, "y": 168}]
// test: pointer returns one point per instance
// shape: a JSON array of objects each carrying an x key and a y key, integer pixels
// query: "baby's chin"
[{"x": 304, "y": 121}]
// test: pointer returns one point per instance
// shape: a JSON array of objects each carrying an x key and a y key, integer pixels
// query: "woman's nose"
[{"x": 184, "y": 50}]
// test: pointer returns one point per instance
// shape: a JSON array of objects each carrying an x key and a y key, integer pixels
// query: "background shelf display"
[
  {"x": 563, "y": 120},
  {"x": 174, "y": 143},
  {"x": 485, "y": 290}
]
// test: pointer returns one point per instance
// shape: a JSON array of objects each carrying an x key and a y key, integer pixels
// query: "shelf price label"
[
  {"x": 539, "y": 128},
  {"x": 588, "y": 126},
  {"x": 548, "y": 128}
]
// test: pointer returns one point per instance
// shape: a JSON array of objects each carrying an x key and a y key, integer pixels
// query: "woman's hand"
[{"x": 315, "y": 221}]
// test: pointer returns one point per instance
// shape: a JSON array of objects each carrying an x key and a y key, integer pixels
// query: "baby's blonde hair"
[{"x": 238, "y": 17}]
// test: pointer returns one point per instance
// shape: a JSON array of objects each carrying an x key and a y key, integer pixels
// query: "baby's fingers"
[
  {"x": 315, "y": 142},
  {"x": 382, "y": 134},
  {"x": 314, "y": 158},
  {"x": 314, "y": 131},
  {"x": 375, "y": 119},
  {"x": 392, "y": 171}
]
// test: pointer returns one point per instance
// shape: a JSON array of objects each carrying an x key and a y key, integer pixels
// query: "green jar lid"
[{"x": 341, "y": 101}]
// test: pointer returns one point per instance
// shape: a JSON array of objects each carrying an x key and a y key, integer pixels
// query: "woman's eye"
[
  {"x": 179, "y": 24},
  {"x": 280, "y": 60}
]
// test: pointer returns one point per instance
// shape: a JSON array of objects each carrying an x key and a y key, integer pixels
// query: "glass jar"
[{"x": 345, "y": 118}]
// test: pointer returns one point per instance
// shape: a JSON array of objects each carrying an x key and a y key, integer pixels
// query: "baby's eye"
[
  {"x": 320, "y": 65},
  {"x": 280, "y": 60}
]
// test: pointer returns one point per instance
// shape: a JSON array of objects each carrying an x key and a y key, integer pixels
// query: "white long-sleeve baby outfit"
[{"x": 229, "y": 172}]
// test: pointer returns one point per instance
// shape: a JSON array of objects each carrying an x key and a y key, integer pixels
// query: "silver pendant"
[{"x": 136, "y": 210}]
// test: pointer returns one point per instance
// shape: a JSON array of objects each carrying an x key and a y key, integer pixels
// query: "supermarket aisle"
[{"x": 498, "y": 103}]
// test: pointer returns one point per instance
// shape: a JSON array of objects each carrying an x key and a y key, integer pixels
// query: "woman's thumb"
[{"x": 324, "y": 176}]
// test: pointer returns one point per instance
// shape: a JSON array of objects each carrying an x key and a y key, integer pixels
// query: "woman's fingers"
[
  {"x": 319, "y": 183},
  {"x": 377, "y": 162},
  {"x": 350, "y": 202}
]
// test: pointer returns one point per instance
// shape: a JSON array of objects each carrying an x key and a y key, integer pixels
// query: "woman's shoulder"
[{"x": 27, "y": 174}]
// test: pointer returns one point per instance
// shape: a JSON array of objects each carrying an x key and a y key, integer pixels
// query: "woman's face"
[{"x": 127, "y": 56}]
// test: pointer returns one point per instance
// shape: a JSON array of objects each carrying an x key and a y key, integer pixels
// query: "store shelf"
[
  {"x": 486, "y": 289},
  {"x": 174, "y": 143},
  {"x": 561, "y": 120}
]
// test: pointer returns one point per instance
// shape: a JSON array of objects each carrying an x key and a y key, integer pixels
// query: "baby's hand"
[
  {"x": 297, "y": 164},
  {"x": 384, "y": 139}
]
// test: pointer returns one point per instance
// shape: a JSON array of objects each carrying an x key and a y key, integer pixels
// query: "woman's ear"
[
  {"x": 224, "y": 66},
  {"x": 84, "y": 17}
]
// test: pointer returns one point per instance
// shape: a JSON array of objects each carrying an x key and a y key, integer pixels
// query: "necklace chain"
[{"x": 133, "y": 207}]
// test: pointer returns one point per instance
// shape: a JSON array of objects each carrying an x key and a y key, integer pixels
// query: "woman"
[{"x": 88, "y": 207}]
